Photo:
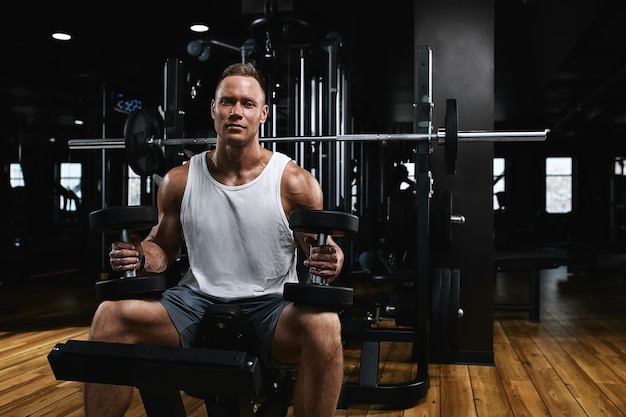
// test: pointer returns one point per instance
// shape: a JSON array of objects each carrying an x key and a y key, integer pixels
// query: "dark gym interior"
[{"x": 553, "y": 67}]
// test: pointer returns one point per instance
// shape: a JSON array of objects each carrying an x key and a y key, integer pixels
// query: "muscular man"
[{"x": 231, "y": 206}]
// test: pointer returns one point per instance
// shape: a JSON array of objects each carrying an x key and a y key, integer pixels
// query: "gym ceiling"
[{"x": 559, "y": 64}]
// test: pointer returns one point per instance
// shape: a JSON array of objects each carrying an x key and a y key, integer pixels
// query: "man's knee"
[
  {"x": 109, "y": 323},
  {"x": 331, "y": 323},
  {"x": 324, "y": 326},
  {"x": 306, "y": 329}
]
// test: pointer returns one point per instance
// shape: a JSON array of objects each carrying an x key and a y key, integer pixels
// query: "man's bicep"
[{"x": 303, "y": 190}]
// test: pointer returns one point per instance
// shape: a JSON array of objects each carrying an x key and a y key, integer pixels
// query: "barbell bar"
[
  {"x": 439, "y": 136},
  {"x": 145, "y": 157}
]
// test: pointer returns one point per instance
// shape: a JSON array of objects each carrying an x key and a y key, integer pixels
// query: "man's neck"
[{"x": 232, "y": 165}]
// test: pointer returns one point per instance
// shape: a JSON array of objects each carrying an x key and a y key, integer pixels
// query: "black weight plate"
[
  {"x": 116, "y": 219},
  {"x": 446, "y": 276},
  {"x": 446, "y": 218},
  {"x": 452, "y": 136},
  {"x": 143, "y": 157},
  {"x": 455, "y": 295},
  {"x": 334, "y": 223},
  {"x": 135, "y": 287},
  {"x": 319, "y": 295},
  {"x": 435, "y": 313}
]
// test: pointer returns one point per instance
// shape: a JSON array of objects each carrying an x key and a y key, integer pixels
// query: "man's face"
[{"x": 238, "y": 108}]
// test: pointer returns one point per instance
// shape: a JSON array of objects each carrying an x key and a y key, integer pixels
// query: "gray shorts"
[{"x": 186, "y": 308}]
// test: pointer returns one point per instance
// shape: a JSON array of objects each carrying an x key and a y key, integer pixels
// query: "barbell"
[{"x": 144, "y": 143}]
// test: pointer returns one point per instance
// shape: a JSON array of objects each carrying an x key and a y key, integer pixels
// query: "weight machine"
[{"x": 308, "y": 98}]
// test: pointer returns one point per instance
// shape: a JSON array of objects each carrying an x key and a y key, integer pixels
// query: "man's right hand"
[{"x": 126, "y": 256}]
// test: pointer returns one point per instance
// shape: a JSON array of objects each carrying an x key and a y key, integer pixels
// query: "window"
[
  {"x": 619, "y": 167},
  {"x": 499, "y": 200},
  {"x": 617, "y": 213},
  {"x": 558, "y": 185},
  {"x": 134, "y": 188},
  {"x": 410, "y": 177},
  {"x": 16, "y": 176},
  {"x": 70, "y": 180}
]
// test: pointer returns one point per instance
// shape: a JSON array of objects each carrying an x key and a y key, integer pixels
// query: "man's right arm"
[{"x": 164, "y": 241}]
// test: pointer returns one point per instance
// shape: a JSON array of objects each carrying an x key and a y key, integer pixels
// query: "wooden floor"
[{"x": 572, "y": 363}]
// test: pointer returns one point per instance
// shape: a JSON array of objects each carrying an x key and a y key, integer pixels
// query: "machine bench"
[
  {"x": 532, "y": 261},
  {"x": 160, "y": 373}
]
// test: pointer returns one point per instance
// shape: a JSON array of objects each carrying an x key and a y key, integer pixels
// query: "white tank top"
[{"x": 238, "y": 238}]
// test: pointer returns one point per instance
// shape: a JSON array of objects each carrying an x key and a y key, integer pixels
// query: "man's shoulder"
[
  {"x": 297, "y": 178},
  {"x": 177, "y": 176},
  {"x": 280, "y": 157}
]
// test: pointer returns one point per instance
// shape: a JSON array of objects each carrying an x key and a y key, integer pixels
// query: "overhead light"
[
  {"x": 61, "y": 36},
  {"x": 199, "y": 28}
]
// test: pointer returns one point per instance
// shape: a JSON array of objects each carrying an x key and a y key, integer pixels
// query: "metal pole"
[
  {"x": 103, "y": 180},
  {"x": 423, "y": 183}
]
